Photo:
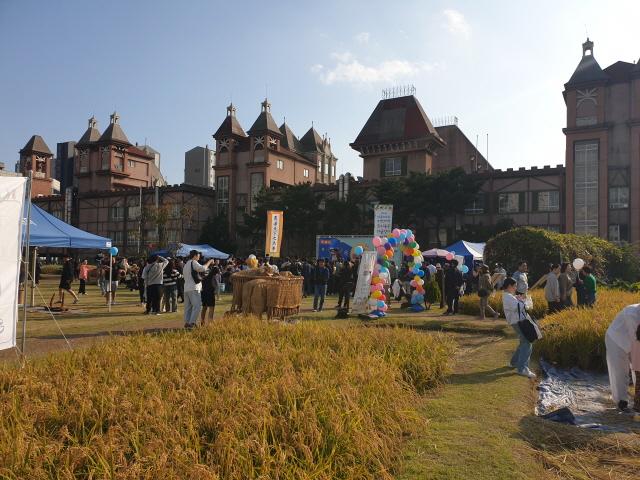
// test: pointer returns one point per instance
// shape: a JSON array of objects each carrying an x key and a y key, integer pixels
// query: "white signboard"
[
  {"x": 12, "y": 190},
  {"x": 363, "y": 287},
  {"x": 382, "y": 220}
]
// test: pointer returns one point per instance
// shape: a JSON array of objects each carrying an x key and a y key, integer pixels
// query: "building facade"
[
  {"x": 137, "y": 220},
  {"x": 199, "y": 163},
  {"x": 109, "y": 161},
  {"x": 266, "y": 155},
  {"x": 37, "y": 159},
  {"x": 398, "y": 139},
  {"x": 603, "y": 149},
  {"x": 64, "y": 164}
]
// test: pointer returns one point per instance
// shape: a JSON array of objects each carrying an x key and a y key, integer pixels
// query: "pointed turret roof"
[
  {"x": 289, "y": 140},
  {"x": 396, "y": 119},
  {"x": 230, "y": 125},
  {"x": 588, "y": 70},
  {"x": 91, "y": 135},
  {"x": 114, "y": 133},
  {"x": 312, "y": 141},
  {"x": 264, "y": 122},
  {"x": 36, "y": 144}
]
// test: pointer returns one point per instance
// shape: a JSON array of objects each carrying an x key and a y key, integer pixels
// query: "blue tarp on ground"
[
  {"x": 470, "y": 251},
  {"x": 45, "y": 230},
  {"x": 207, "y": 251}
]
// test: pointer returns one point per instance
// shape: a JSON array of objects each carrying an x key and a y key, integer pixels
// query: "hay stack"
[{"x": 282, "y": 293}]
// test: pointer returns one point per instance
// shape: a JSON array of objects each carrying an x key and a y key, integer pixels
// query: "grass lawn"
[{"x": 481, "y": 423}]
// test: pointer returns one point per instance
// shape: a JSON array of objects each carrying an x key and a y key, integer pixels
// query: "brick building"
[
  {"x": 266, "y": 155},
  {"x": 603, "y": 149},
  {"x": 117, "y": 191}
]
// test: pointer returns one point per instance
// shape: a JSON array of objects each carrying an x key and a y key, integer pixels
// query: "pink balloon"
[
  {"x": 395, "y": 233},
  {"x": 449, "y": 256},
  {"x": 385, "y": 308}
]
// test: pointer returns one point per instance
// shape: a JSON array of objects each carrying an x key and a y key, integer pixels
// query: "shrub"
[
  {"x": 540, "y": 247},
  {"x": 470, "y": 304},
  {"x": 238, "y": 399},
  {"x": 575, "y": 337},
  {"x": 51, "y": 269},
  {"x": 431, "y": 291}
]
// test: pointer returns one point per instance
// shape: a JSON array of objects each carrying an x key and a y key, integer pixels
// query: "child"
[{"x": 635, "y": 364}]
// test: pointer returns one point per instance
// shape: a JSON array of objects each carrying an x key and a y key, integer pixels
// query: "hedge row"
[{"x": 539, "y": 247}]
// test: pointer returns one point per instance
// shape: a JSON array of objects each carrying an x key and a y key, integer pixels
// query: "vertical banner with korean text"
[
  {"x": 382, "y": 220},
  {"x": 12, "y": 192},
  {"x": 363, "y": 286},
  {"x": 275, "y": 223}
]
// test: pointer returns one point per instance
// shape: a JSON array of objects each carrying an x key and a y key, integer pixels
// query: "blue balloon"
[
  {"x": 380, "y": 303},
  {"x": 465, "y": 269},
  {"x": 384, "y": 270},
  {"x": 113, "y": 251},
  {"x": 421, "y": 273},
  {"x": 409, "y": 233},
  {"x": 393, "y": 242},
  {"x": 358, "y": 250}
]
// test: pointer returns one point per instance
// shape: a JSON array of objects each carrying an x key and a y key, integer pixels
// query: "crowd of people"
[{"x": 163, "y": 283}]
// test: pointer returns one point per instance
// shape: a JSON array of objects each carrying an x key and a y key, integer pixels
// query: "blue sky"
[{"x": 170, "y": 68}]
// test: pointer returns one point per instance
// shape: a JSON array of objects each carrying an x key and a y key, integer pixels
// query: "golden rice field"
[
  {"x": 470, "y": 304},
  {"x": 575, "y": 337},
  {"x": 238, "y": 399}
]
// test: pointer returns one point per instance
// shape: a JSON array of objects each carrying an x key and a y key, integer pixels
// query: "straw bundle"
[{"x": 282, "y": 293}]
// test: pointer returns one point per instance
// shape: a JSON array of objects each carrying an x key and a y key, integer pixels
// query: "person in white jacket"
[
  {"x": 552, "y": 288},
  {"x": 514, "y": 311},
  {"x": 618, "y": 340}
]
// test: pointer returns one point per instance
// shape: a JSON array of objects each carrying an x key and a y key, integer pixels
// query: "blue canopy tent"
[
  {"x": 48, "y": 231},
  {"x": 470, "y": 251},
  {"x": 207, "y": 251}
]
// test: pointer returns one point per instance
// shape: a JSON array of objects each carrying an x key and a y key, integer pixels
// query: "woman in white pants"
[{"x": 618, "y": 341}]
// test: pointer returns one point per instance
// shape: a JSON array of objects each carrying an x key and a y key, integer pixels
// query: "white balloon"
[{"x": 578, "y": 264}]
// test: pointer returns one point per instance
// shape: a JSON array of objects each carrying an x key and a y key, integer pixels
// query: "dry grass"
[
  {"x": 569, "y": 452},
  {"x": 470, "y": 304},
  {"x": 575, "y": 337},
  {"x": 238, "y": 399}
]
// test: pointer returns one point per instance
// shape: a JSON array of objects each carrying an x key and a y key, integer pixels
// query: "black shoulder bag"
[{"x": 197, "y": 278}]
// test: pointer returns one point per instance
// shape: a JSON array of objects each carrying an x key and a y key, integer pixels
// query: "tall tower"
[
  {"x": 36, "y": 157},
  {"x": 602, "y": 149}
]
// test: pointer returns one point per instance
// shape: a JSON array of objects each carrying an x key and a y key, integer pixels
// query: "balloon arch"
[{"x": 405, "y": 241}]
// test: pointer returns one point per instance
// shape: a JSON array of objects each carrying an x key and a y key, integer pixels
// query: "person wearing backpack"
[{"x": 191, "y": 272}]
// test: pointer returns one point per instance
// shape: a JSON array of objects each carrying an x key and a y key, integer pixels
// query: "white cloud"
[
  {"x": 362, "y": 37},
  {"x": 456, "y": 23},
  {"x": 349, "y": 69}
]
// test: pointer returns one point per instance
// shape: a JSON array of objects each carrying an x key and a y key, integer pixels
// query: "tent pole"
[
  {"x": 26, "y": 265},
  {"x": 33, "y": 276},
  {"x": 110, "y": 281}
]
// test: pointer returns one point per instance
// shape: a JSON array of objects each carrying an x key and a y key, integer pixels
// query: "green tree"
[
  {"x": 446, "y": 194},
  {"x": 215, "y": 232},
  {"x": 302, "y": 216},
  {"x": 345, "y": 217}
]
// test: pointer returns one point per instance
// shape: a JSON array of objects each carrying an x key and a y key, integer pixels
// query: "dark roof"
[
  {"x": 620, "y": 71},
  {"x": 229, "y": 126},
  {"x": 114, "y": 134},
  {"x": 36, "y": 144},
  {"x": 393, "y": 119},
  {"x": 264, "y": 123},
  {"x": 91, "y": 135},
  {"x": 311, "y": 141},
  {"x": 588, "y": 70},
  {"x": 140, "y": 152},
  {"x": 289, "y": 140}
]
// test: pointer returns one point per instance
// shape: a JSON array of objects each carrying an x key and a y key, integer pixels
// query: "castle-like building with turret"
[{"x": 596, "y": 191}]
